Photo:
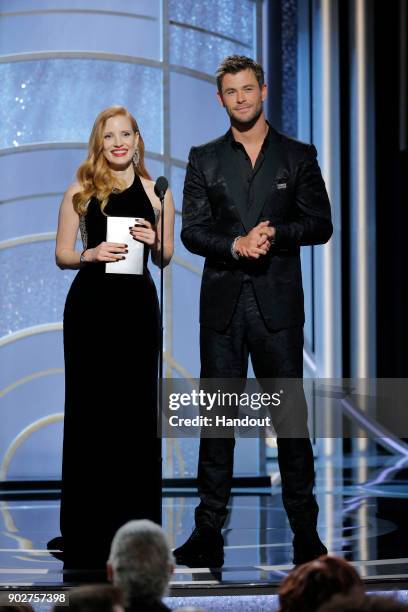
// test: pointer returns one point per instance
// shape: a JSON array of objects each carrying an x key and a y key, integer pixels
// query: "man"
[
  {"x": 252, "y": 198},
  {"x": 140, "y": 564}
]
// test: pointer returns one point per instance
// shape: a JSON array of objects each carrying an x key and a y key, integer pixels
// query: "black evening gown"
[{"x": 111, "y": 453}]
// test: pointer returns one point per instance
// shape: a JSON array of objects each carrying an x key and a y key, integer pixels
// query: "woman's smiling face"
[{"x": 119, "y": 141}]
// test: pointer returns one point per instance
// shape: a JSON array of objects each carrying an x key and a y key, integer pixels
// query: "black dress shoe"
[
  {"x": 307, "y": 546},
  {"x": 204, "y": 548}
]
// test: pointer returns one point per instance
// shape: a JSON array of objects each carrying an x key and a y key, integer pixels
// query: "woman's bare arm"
[
  {"x": 68, "y": 224},
  {"x": 66, "y": 256}
]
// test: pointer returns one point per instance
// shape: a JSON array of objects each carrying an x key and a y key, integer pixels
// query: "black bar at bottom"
[{"x": 168, "y": 483}]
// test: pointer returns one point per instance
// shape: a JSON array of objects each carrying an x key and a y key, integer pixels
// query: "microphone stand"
[
  {"x": 161, "y": 290},
  {"x": 160, "y": 389},
  {"x": 160, "y": 189}
]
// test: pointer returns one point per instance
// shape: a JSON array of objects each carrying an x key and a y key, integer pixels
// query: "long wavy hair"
[{"x": 94, "y": 174}]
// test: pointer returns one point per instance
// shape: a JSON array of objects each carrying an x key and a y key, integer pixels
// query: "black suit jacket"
[{"x": 294, "y": 200}]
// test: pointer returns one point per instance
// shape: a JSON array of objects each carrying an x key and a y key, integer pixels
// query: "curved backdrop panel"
[
  {"x": 201, "y": 34},
  {"x": 58, "y": 99},
  {"x": 68, "y": 28},
  {"x": 33, "y": 288},
  {"x": 59, "y": 66},
  {"x": 227, "y": 18}
]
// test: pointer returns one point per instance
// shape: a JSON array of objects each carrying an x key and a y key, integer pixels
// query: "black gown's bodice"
[{"x": 132, "y": 202}]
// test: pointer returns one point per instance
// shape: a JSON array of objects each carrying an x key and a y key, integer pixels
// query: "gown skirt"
[{"x": 111, "y": 470}]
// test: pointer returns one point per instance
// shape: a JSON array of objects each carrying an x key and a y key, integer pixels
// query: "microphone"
[{"x": 161, "y": 186}]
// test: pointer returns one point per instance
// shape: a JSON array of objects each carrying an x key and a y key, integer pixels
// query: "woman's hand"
[
  {"x": 106, "y": 251},
  {"x": 144, "y": 232}
]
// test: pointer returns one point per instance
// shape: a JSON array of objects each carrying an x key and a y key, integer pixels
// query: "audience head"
[
  {"x": 353, "y": 603},
  {"x": 310, "y": 585},
  {"x": 140, "y": 561},
  {"x": 189, "y": 609},
  {"x": 21, "y": 607},
  {"x": 93, "y": 598}
]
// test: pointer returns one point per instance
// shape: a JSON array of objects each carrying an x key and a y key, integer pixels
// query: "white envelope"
[{"x": 118, "y": 231}]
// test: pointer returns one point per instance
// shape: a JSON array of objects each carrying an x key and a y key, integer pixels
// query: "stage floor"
[{"x": 363, "y": 517}]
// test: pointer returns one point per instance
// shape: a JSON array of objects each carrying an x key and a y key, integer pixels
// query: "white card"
[{"x": 118, "y": 231}]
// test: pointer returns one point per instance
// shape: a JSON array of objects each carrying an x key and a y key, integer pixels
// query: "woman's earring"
[{"x": 136, "y": 157}]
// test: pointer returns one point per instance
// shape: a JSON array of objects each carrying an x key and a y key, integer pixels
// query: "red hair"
[
  {"x": 94, "y": 175},
  {"x": 310, "y": 585}
]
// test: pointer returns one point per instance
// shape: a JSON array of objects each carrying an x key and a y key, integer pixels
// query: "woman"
[
  {"x": 311, "y": 585},
  {"x": 111, "y": 453}
]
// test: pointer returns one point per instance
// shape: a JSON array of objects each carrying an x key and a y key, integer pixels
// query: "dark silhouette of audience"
[
  {"x": 351, "y": 603},
  {"x": 141, "y": 563},
  {"x": 93, "y": 598},
  {"x": 21, "y": 607}
]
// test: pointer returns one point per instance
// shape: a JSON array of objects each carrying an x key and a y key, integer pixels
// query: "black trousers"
[{"x": 274, "y": 355}]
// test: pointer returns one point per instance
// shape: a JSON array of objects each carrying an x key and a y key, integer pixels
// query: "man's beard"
[{"x": 245, "y": 121}]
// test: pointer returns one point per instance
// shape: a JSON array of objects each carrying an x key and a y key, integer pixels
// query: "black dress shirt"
[{"x": 247, "y": 172}]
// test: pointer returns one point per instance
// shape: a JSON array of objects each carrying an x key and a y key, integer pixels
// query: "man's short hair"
[
  {"x": 236, "y": 63},
  {"x": 141, "y": 561}
]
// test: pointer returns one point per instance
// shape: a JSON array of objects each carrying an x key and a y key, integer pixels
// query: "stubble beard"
[{"x": 248, "y": 121}]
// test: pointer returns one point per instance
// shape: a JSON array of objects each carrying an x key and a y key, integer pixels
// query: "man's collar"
[{"x": 236, "y": 144}]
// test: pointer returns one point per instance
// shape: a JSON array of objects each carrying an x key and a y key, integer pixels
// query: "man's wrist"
[{"x": 234, "y": 252}]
